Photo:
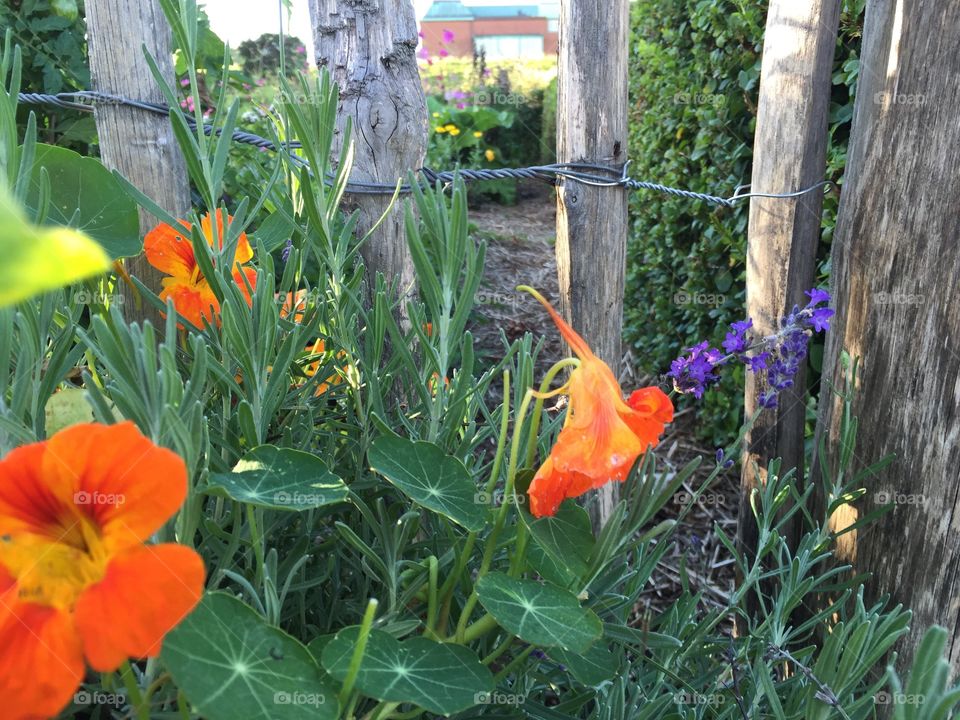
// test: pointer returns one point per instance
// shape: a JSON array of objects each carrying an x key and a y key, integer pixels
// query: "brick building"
[{"x": 501, "y": 31}]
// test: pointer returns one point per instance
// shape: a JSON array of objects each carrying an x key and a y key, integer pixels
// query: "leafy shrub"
[
  {"x": 52, "y": 35},
  {"x": 694, "y": 75},
  {"x": 262, "y": 56}
]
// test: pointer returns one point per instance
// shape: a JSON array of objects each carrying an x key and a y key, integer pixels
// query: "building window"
[{"x": 510, "y": 46}]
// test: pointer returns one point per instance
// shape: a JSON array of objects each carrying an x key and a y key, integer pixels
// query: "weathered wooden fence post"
[
  {"x": 369, "y": 49},
  {"x": 790, "y": 150},
  {"x": 896, "y": 264},
  {"x": 592, "y": 222},
  {"x": 140, "y": 145}
]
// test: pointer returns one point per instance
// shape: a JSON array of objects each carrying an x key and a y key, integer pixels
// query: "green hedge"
[{"x": 694, "y": 75}]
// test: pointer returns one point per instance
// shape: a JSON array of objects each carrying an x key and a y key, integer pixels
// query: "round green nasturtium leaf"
[
  {"x": 429, "y": 477},
  {"x": 443, "y": 678},
  {"x": 279, "y": 479},
  {"x": 567, "y": 537},
  {"x": 549, "y": 569},
  {"x": 67, "y": 407},
  {"x": 595, "y": 666},
  {"x": 37, "y": 259},
  {"x": 539, "y": 613},
  {"x": 85, "y": 196},
  {"x": 232, "y": 665}
]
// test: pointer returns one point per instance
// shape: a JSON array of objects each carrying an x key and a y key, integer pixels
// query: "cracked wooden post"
[
  {"x": 790, "y": 150},
  {"x": 591, "y": 221},
  {"x": 139, "y": 145},
  {"x": 896, "y": 260},
  {"x": 369, "y": 47}
]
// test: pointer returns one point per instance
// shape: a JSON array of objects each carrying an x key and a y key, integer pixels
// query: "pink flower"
[
  {"x": 460, "y": 106},
  {"x": 423, "y": 54},
  {"x": 261, "y": 82},
  {"x": 184, "y": 82},
  {"x": 300, "y": 49},
  {"x": 448, "y": 36},
  {"x": 443, "y": 52},
  {"x": 420, "y": 34}
]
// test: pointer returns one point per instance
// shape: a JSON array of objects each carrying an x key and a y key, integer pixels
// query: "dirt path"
[{"x": 520, "y": 251}]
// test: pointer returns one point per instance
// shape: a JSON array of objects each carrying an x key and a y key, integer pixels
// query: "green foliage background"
[
  {"x": 694, "y": 76},
  {"x": 52, "y": 34}
]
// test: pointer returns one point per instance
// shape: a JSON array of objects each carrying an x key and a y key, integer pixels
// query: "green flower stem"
[
  {"x": 514, "y": 664},
  {"x": 141, "y": 708},
  {"x": 500, "y": 650},
  {"x": 409, "y": 715},
  {"x": 432, "y": 595},
  {"x": 358, "y": 651},
  {"x": 257, "y": 543},
  {"x": 538, "y": 407},
  {"x": 491, "y": 544},
  {"x": 450, "y": 583},
  {"x": 381, "y": 711},
  {"x": 480, "y": 627},
  {"x": 184, "y": 705},
  {"x": 154, "y": 686},
  {"x": 520, "y": 554}
]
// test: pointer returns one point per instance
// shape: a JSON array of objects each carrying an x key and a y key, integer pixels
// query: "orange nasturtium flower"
[
  {"x": 170, "y": 251},
  {"x": 76, "y": 579},
  {"x": 295, "y": 304},
  {"x": 310, "y": 369},
  {"x": 602, "y": 435}
]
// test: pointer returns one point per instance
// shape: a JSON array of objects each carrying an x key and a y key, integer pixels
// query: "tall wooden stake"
[
  {"x": 140, "y": 145},
  {"x": 369, "y": 48},
  {"x": 790, "y": 149},
  {"x": 896, "y": 264},
  {"x": 591, "y": 221}
]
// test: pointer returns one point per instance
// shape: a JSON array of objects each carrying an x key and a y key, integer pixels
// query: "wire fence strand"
[{"x": 585, "y": 173}]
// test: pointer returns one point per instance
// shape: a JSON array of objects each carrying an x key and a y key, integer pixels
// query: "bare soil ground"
[{"x": 520, "y": 250}]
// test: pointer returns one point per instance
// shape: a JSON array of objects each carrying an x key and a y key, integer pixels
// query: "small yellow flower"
[
  {"x": 450, "y": 127},
  {"x": 477, "y": 134},
  {"x": 489, "y": 155},
  {"x": 440, "y": 129},
  {"x": 455, "y": 132},
  {"x": 436, "y": 115}
]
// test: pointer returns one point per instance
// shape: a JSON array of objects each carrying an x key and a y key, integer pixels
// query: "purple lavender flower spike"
[
  {"x": 738, "y": 340},
  {"x": 693, "y": 373},
  {"x": 817, "y": 296},
  {"x": 757, "y": 363},
  {"x": 767, "y": 400},
  {"x": 820, "y": 318},
  {"x": 779, "y": 355}
]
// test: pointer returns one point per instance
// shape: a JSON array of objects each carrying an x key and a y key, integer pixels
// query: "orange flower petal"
[
  {"x": 117, "y": 477},
  {"x": 251, "y": 275},
  {"x": 651, "y": 409},
  {"x": 244, "y": 251},
  {"x": 145, "y": 593},
  {"x": 294, "y": 303},
  {"x": 193, "y": 302},
  {"x": 41, "y": 658},
  {"x": 27, "y": 504},
  {"x": 170, "y": 250}
]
